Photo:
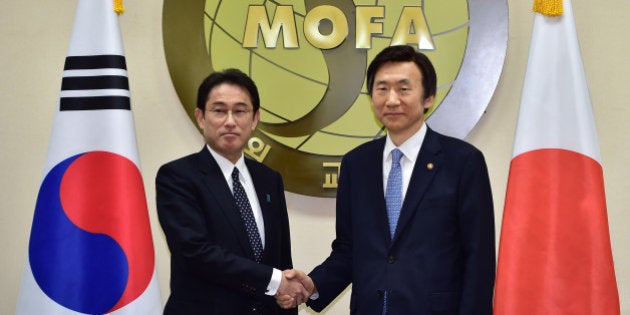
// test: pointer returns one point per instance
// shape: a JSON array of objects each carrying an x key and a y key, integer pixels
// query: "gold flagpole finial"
[
  {"x": 118, "y": 7},
  {"x": 548, "y": 7}
]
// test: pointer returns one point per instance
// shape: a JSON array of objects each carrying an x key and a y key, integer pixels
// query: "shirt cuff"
[{"x": 274, "y": 283}]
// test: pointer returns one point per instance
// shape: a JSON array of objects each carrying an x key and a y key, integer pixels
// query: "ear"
[
  {"x": 428, "y": 102},
  {"x": 199, "y": 114},
  {"x": 256, "y": 119}
]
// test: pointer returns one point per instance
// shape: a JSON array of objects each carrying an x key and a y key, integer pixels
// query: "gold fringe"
[
  {"x": 548, "y": 7},
  {"x": 118, "y": 7}
]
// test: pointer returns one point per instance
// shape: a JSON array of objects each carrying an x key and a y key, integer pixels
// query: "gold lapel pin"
[{"x": 429, "y": 166}]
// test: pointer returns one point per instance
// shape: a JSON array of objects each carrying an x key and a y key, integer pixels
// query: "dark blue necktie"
[
  {"x": 393, "y": 201},
  {"x": 248, "y": 215}
]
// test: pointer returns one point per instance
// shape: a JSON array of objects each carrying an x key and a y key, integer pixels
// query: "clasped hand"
[{"x": 295, "y": 288}]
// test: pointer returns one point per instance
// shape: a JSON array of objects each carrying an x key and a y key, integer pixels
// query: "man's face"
[
  {"x": 397, "y": 99},
  {"x": 228, "y": 121}
]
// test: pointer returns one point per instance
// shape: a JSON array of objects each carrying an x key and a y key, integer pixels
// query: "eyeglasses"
[{"x": 220, "y": 113}]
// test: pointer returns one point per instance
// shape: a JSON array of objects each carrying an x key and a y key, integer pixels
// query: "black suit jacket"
[
  {"x": 441, "y": 259},
  {"x": 213, "y": 270}
]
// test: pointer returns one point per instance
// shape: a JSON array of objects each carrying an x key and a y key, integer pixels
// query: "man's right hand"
[{"x": 295, "y": 288}]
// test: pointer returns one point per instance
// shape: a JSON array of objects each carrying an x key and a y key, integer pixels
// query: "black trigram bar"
[
  {"x": 95, "y": 62},
  {"x": 77, "y": 84},
  {"x": 95, "y": 83},
  {"x": 94, "y": 103}
]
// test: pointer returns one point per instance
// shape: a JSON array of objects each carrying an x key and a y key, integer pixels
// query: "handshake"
[{"x": 295, "y": 288}]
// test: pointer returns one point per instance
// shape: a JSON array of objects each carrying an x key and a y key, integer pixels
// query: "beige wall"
[{"x": 35, "y": 36}]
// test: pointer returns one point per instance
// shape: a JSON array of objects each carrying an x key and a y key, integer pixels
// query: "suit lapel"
[
  {"x": 220, "y": 191},
  {"x": 427, "y": 164}
]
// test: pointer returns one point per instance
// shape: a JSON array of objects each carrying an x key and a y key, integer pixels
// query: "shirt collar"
[
  {"x": 410, "y": 148},
  {"x": 226, "y": 165}
]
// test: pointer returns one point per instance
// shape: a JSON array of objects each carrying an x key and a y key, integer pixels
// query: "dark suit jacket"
[
  {"x": 213, "y": 270},
  {"x": 441, "y": 259}
]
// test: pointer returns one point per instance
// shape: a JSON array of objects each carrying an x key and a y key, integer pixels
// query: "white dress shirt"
[
  {"x": 245, "y": 178},
  {"x": 410, "y": 149}
]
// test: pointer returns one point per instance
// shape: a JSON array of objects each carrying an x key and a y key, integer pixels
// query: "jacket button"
[{"x": 391, "y": 259}]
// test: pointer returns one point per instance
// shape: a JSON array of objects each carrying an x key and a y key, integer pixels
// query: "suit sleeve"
[
  {"x": 191, "y": 245},
  {"x": 286, "y": 261},
  {"x": 476, "y": 220},
  {"x": 285, "y": 249},
  {"x": 335, "y": 273}
]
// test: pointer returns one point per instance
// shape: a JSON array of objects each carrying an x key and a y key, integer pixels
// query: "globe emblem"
[{"x": 314, "y": 103}]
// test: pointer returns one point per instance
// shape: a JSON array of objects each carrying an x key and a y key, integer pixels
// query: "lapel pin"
[
  {"x": 429, "y": 166},
  {"x": 268, "y": 198}
]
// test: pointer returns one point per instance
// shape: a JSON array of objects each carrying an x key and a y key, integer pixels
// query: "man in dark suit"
[
  {"x": 224, "y": 216},
  {"x": 414, "y": 235}
]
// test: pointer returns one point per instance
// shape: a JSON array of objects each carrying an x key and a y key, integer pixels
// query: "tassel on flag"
[
  {"x": 90, "y": 249},
  {"x": 554, "y": 254}
]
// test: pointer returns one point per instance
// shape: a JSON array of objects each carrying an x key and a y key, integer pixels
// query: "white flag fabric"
[
  {"x": 90, "y": 248},
  {"x": 555, "y": 255}
]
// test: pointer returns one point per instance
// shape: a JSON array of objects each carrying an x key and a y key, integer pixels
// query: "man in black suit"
[
  {"x": 225, "y": 216},
  {"x": 415, "y": 222}
]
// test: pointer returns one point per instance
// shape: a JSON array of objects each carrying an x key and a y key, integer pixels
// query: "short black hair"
[
  {"x": 229, "y": 76},
  {"x": 404, "y": 53}
]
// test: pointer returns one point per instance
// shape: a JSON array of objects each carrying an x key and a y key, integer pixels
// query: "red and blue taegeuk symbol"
[{"x": 91, "y": 249}]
